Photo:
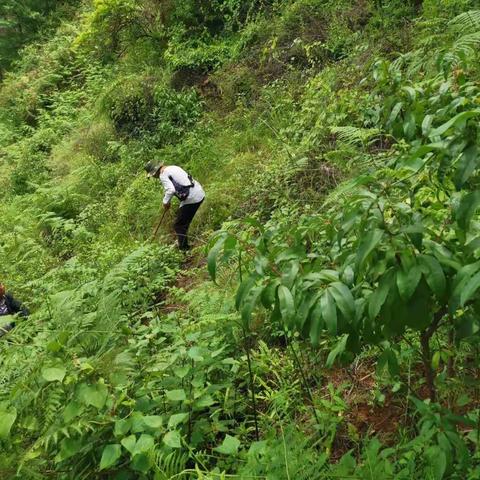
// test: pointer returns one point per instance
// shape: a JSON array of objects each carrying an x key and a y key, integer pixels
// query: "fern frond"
[
  {"x": 465, "y": 46},
  {"x": 171, "y": 465},
  {"x": 466, "y": 21},
  {"x": 52, "y": 404},
  {"x": 355, "y": 136}
]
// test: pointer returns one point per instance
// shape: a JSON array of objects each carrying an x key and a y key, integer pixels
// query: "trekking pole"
[{"x": 158, "y": 225}]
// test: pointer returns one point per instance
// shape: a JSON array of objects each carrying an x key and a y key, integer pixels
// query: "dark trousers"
[{"x": 184, "y": 218}]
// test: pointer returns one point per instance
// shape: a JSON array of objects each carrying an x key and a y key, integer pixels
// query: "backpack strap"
[{"x": 175, "y": 183}]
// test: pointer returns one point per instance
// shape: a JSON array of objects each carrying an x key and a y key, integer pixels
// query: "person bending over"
[
  {"x": 9, "y": 306},
  {"x": 177, "y": 182}
]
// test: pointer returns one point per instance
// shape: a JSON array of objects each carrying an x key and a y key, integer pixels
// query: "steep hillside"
[{"x": 326, "y": 324}]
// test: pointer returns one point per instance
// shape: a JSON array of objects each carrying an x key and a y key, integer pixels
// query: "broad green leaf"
[
  {"x": 367, "y": 245},
  {"x": 437, "y": 461},
  {"x": 467, "y": 208},
  {"x": 243, "y": 290},
  {"x": 289, "y": 277},
  {"x": 409, "y": 125},
  {"x": 72, "y": 410},
  {"x": 141, "y": 463},
  {"x": 129, "y": 443},
  {"x": 459, "y": 282},
  {"x": 378, "y": 297},
  {"x": 196, "y": 354},
  {"x": 470, "y": 289},
  {"x": 436, "y": 360},
  {"x": 323, "y": 276},
  {"x": 394, "y": 113},
  {"x": 213, "y": 256},
  {"x": 144, "y": 444},
  {"x": 7, "y": 419},
  {"x": 54, "y": 374},
  {"x": 249, "y": 305},
  {"x": 417, "y": 157},
  {"x": 293, "y": 253},
  {"x": 464, "y": 274},
  {"x": 316, "y": 323},
  {"x": 181, "y": 372},
  {"x": 338, "y": 350},
  {"x": 176, "y": 419},
  {"x": 111, "y": 453},
  {"x": 268, "y": 294},
  {"x": 417, "y": 312},
  {"x": 54, "y": 346},
  {"x": 426, "y": 125},
  {"x": 176, "y": 395},
  {"x": 95, "y": 395},
  {"x": 68, "y": 448},
  {"x": 348, "y": 276},
  {"x": 229, "y": 446},
  {"x": 329, "y": 312},
  {"x": 307, "y": 301},
  {"x": 466, "y": 326},
  {"x": 411, "y": 92},
  {"x": 434, "y": 275},
  {"x": 261, "y": 264},
  {"x": 204, "y": 401},
  {"x": 344, "y": 299},
  {"x": 473, "y": 245},
  {"x": 457, "y": 119},
  {"x": 407, "y": 281},
  {"x": 467, "y": 164},
  {"x": 153, "y": 421},
  {"x": 229, "y": 246},
  {"x": 173, "y": 439},
  {"x": 287, "y": 305},
  {"x": 137, "y": 423}
]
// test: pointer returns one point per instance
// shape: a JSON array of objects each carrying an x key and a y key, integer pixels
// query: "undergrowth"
[{"x": 338, "y": 146}]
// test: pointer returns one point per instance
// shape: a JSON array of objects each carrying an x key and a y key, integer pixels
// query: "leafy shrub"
[
  {"x": 145, "y": 108},
  {"x": 396, "y": 259}
]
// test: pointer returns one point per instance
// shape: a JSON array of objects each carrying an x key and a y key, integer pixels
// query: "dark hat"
[{"x": 152, "y": 168}]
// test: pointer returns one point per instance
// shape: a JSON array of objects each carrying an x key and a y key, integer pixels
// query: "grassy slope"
[{"x": 77, "y": 208}]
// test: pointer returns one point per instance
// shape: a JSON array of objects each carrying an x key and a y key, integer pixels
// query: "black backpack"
[{"x": 182, "y": 191}]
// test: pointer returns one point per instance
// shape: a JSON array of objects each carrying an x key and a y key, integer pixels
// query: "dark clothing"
[
  {"x": 13, "y": 307},
  {"x": 184, "y": 218}
]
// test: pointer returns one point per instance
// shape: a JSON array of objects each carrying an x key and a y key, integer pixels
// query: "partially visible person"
[
  {"x": 177, "y": 182},
  {"x": 9, "y": 306}
]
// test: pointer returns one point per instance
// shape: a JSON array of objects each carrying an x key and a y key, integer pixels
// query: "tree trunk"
[{"x": 427, "y": 365}]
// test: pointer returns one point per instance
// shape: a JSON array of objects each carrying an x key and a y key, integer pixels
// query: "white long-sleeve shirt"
[{"x": 196, "y": 193}]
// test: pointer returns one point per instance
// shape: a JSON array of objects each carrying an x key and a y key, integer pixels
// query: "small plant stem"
[
  {"x": 190, "y": 408},
  {"x": 425, "y": 337},
  {"x": 252, "y": 385},
  {"x": 285, "y": 453},
  {"x": 451, "y": 344},
  {"x": 240, "y": 265},
  {"x": 304, "y": 378}
]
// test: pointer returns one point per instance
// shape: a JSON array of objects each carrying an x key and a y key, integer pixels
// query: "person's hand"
[{"x": 166, "y": 206}]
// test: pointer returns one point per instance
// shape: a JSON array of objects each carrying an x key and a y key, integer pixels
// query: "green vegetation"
[{"x": 327, "y": 325}]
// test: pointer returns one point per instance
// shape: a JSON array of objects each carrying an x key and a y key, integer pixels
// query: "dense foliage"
[{"x": 338, "y": 142}]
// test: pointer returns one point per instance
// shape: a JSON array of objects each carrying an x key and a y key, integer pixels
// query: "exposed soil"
[
  {"x": 185, "y": 280},
  {"x": 364, "y": 417}
]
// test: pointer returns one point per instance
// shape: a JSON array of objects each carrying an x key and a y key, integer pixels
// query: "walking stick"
[{"x": 158, "y": 226}]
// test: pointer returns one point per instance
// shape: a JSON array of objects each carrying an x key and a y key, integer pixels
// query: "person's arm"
[
  {"x": 16, "y": 307},
  {"x": 169, "y": 189}
]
